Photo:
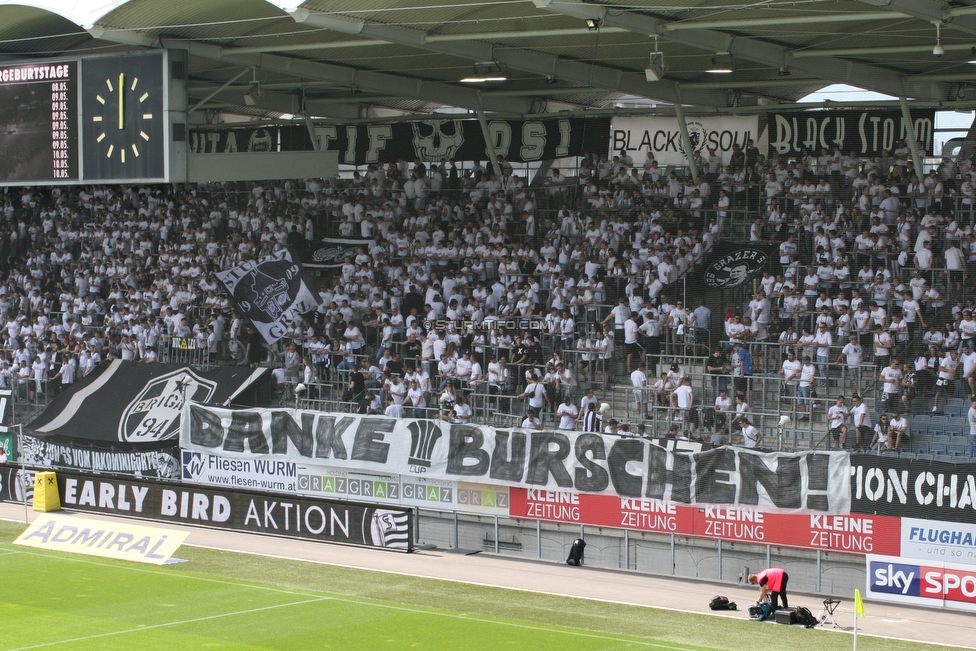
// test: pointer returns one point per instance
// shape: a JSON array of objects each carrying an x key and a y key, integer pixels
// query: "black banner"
[
  {"x": 730, "y": 264},
  {"x": 163, "y": 463},
  {"x": 238, "y": 140},
  {"x": 245, "y": 511},
  {"x": 13, "y": 482},
  {"x": 866, "y": 133},
  {"x": 519, "y": 141},
  {"x": 125, "y": 406},
  {"x": 333, "y": 251},
  {"x": 930, "y": 490}
]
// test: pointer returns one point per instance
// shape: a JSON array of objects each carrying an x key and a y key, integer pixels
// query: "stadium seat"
[
  {"x": 922, "y": 441},
  {"x": 923, "y": 456},
  {"x": 921, "y": 404},
  {"x": 890, "y": 453},
  {"x": 907, "y": 455},
  {"x": 957, "y": 427},
  {"x": 945, "y": 458},
  {"x": 958, "y": 447},
  {"x": 920, "y": 422},
  {"x": 939, "y": 444},
  {"x": 966, "y": 459},
  {"x": 955, "y": 407},
  {"x": 938, "y": 424}
]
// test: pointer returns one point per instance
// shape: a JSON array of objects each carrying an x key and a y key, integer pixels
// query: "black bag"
[
  {"x": 805, "y": 617},
  {"x": 576, "y": 552},
  {"x": 721, "y": 603}
]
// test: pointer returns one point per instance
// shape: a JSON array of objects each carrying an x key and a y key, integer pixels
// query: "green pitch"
[{"x": 222, "y": 600}]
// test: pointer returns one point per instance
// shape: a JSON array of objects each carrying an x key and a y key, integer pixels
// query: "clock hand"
[{"x": 121, "y": 101}]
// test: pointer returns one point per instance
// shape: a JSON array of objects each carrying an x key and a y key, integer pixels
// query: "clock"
[{"x": 123, "y": 118}]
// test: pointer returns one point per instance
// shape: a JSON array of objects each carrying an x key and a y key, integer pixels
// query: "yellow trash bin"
[{"x": 46, "y": 495}]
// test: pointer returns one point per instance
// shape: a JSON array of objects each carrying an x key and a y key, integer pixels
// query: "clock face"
[{"x": 122, "y": 117}]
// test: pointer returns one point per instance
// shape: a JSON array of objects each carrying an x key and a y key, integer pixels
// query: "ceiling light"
[
  {"x": 655, "y": 70},
  {"x": 592, "y": 24},
  {"x": 485, "y": 71},
  {"x": 938, "y": 50},
  {"x": 722, "y": 64}
]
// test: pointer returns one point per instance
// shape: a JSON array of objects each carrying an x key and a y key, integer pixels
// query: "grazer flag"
[{"x": 271, "y": 292}]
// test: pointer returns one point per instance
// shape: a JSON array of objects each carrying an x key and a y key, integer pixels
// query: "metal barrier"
[{"x": 191, "y": 351}]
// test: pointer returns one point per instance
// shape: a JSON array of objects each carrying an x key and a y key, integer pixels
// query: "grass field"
[{"x": 222, "y": 600}]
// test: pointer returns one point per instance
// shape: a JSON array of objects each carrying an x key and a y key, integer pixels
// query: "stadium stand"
[{"x": 472, "y": 293}]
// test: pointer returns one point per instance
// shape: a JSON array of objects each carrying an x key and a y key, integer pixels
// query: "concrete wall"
[{"x": 829, "y": 573}]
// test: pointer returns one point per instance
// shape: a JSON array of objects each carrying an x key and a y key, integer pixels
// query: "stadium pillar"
[
  {"x": 906, "y": 115},
  {"x": 686, "y": 140},
  {"x": 488, "y": 142}
]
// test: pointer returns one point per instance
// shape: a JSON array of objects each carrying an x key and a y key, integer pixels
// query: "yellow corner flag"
[{"x": 858, "y": 603}]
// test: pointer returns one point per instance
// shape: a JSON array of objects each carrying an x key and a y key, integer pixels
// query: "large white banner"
[
  {"x": 817, "y": 482},
  {"x": 661, "y": 136}
]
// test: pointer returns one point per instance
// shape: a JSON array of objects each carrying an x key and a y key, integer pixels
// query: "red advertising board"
[{"x": 856, "y": 534}]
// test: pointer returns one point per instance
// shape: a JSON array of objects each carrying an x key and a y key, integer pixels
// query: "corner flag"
[{"x": 858, "y": 603}]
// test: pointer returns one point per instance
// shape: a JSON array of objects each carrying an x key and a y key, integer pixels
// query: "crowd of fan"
[{"x": 108, "y": 272}]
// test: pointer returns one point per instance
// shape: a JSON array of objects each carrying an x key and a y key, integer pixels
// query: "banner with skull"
[
  {"x": 271, "y": 292},
  {"x": 519, "y": 141},
  {"x": 661, "y": 137}
]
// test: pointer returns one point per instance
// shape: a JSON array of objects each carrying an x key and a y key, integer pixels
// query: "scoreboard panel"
[
  {"x": 39, "y": 123},
  {"x": 106, "y": 119}
]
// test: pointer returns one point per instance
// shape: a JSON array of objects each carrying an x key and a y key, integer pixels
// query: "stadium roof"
[{"x": 347, "y": 59}]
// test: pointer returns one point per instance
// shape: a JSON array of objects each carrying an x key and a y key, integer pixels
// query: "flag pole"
[{"x": 858, "y": 612}]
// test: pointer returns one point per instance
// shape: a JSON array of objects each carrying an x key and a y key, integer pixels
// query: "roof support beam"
[
  {"x": 906, "y": 115},
  {"x": 378, "y": 82},
  {"x": 836, "y": 70},
  {"x": 531, "y": 61},
  {"x": 221, "y": 88},
  {"x": 930, "y": 10},
  {"x": 290, "y": 104},
  {"x": 846, "y": 17},
  {"x": 868, "y": 51}
]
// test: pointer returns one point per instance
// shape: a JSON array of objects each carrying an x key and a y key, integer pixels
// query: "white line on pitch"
[{"x": 166, "y": 624}]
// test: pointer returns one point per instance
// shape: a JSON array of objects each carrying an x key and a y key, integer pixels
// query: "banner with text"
[
  {"x": 122, "y": 541},
  {"x": 929, "y": 490},
  {"x": 924, "y": 583},
  {"x": 953, "y": 542},
  {"x": 856, "y": 534},
  {"x": 661, "y": 136},
  {"x": 519, "y": 141},
  {"x": 247, "y": 511},
  {"x": 285, "y": 476},
  {"x": 586, "y": 463},
  {"x": 162, "y": 463},
  {"x": 866, "y": 133}
]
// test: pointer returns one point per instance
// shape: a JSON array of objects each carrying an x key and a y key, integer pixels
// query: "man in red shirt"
[{"x": 771, "y": 582}]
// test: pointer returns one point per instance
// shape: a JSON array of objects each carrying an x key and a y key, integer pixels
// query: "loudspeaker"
[{"x": 576, "y": 552}]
